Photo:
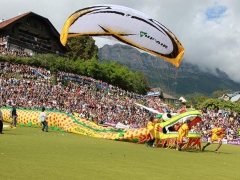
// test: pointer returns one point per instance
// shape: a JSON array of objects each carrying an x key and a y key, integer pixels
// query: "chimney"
[{"x": 1, "y": 20}]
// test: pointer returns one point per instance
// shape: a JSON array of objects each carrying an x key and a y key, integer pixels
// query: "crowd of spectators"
[
  {"x": 31, "y": 88},
  {"x": 14, "y": 52}
]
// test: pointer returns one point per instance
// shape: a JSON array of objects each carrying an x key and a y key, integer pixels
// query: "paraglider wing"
[
  {"x": 149, "y": 109},
  {"x": 125, "y": 25}
]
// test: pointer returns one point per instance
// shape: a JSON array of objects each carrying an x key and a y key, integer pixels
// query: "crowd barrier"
[{"x": 224, "y": 141}]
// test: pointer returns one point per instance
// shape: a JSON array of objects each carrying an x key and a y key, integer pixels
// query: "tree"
[
  {"x": 217, "y": 94},
  {"x": 195, "y": 99},
  {"x": 220, "y": 104},
  {"x": 83, "y": 48}
]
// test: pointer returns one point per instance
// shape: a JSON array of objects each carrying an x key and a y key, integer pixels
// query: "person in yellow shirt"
[
  {"x": 182, "y": 134},
  {"x": 150, "y": 132},
  {"x": 216, "y": 134}
]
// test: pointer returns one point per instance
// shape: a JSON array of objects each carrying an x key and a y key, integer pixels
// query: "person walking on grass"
[
  {"x": 216, "y": 134},
  {"x": 1, "y": 122},
  {"x": 42, "y": 119},
  {"x": 14, "y": 116}
]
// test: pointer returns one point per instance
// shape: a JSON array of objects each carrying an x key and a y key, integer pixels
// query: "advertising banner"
[
  {"x": 122, "y": 126},
  {"x": 234, "y": 141}
]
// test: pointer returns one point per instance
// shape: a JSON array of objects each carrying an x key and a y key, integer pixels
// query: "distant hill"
[{"x": 187, "y": 79}]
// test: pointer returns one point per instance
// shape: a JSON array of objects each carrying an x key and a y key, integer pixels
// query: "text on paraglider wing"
[{"x": 144, "y": 34}]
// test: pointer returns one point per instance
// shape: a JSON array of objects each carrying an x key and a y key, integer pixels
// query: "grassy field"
[{"x": 29, "y": 153}]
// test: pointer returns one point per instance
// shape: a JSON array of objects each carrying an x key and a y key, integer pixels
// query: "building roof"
[
  {"x": 156, "y": 89},
  {"x": 3, "y": 24},
  {"x": 167, "y": 96},
  {"x": 236, "y": 93},
  {"x": 181, "y": 98},
  {"x": 7, "y": 22},
  {"x": 235, "y": 98}
]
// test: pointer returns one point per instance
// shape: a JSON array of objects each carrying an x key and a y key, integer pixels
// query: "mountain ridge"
[{"x": 187, "y": 79}]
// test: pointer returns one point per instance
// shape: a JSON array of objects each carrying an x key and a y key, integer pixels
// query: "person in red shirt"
[
  {"x": 77, "y": 90},
  {"x": 183, "y": 109}
]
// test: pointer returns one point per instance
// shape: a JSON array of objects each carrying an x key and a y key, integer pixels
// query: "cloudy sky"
[{"x": 208, "y": 29}]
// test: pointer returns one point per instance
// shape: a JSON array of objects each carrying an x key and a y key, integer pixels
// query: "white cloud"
[{"x": 209, "y": 42}]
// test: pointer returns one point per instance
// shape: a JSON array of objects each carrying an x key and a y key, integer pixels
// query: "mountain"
[{"x": 187, "y": 79}]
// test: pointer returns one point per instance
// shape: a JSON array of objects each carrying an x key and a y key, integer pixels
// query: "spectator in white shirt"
[{"x": 42, "y": 119}]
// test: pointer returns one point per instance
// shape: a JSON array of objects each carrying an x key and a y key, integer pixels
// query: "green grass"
[{"x": 28, "y": 153}]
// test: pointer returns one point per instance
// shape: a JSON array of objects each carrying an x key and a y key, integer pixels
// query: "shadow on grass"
[
  {"x": 206, "y": 151},
  {"x": 7, "y": 133},
  {"x": 7, "y": 130}
]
